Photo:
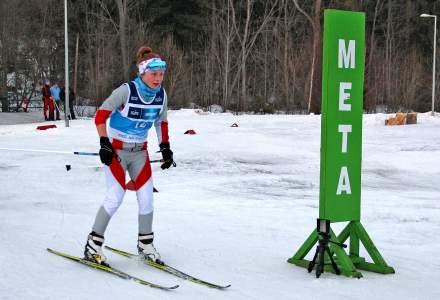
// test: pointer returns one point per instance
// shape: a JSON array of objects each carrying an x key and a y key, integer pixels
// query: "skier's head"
[{"x": 151, "y": 67}]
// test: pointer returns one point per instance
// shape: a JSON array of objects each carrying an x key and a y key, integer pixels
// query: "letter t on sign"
[{"x": 344, "y": 129}]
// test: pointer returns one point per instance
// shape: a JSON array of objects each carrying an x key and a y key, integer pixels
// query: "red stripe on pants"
[
  {"x": 144, "y": 175},
  {"x": 118, "y": 172}
]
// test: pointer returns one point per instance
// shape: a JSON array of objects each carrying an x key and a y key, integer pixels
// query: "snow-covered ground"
[
  {"x": 7, "y": 118},
  {"x": 240, "y": 202}
]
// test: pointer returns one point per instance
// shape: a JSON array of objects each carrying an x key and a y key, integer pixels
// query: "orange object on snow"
[
  {"x": 402, "y": 119},
  {"x": 190, "y": 131},
  {"x": 44, "y": 127}
]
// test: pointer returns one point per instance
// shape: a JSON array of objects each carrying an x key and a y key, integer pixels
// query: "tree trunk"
[
  {"x": 315, "y": 87},
  {"x": 285, "y": 55},
  {"x": 388, "y": 51},
  {"x": 227, "y": 63},
  {"x": 122, "y": 10},
  {"x": 243, "y": 97},
  {"x": 3, "y": 90},
  {"x": 315, "y": 23},
  {"x": 75, "y": 75}
]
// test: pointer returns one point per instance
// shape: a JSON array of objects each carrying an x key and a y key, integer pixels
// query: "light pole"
[
  {"x": 433, "y": 57},
  {"x": 66, "y": 68}
]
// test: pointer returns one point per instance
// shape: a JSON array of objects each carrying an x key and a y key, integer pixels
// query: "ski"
[
  {"x": 111, "y": 270},
  {"x": 170, "y": 270}
]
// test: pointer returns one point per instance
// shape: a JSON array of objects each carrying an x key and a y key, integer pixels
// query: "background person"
[
  {"x": 55, "y": 91},
  {"x": 47, "y": 101},
  {"x": 71, "y": 101}
]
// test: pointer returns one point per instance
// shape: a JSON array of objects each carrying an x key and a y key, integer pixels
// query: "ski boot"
[
  {"x": 146, "y": 248},
  {"x": 93, "y": 251}
]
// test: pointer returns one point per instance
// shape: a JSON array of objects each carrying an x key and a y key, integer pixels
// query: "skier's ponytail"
[{"x": 145, "y": 53}]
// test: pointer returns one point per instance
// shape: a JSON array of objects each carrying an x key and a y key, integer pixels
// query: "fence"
[{"x": 83, "y": 107}]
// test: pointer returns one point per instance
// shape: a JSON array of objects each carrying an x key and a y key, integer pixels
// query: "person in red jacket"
[{"x": 47, "y": 101}]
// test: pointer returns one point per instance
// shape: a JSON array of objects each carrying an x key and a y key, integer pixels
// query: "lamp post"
[
  {"x": 66, "y": 68},
  {"x": 433, "y": 57}
]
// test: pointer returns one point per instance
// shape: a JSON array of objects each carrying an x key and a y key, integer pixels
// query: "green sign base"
[{"x": 347, "y": 263}]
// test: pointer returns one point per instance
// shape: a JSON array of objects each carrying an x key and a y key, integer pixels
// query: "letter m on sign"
[{"x": 346, "y": 57}]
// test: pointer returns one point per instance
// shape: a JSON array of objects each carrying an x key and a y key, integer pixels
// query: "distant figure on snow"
[
  {"x": 133, "y": 108},
  {"x": 71, "y": 101},
  {"x": 55, "y": 90},
  {"x": 47, "y": 100}
]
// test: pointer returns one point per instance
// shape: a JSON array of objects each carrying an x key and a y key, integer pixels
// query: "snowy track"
[{"x": 239, "y": 204}]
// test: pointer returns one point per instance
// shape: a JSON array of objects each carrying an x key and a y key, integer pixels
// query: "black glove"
[
  {"x": 106, "y": 153},
  {"x": 167, "y": 155}
]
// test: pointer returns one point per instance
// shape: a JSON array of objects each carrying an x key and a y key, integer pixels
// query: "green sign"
[
  {"x": 341, "y": 148},
  {"x": 341, "y": 121}
]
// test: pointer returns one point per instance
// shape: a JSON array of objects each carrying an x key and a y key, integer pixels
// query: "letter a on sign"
[{"x": 344, "y": 182}]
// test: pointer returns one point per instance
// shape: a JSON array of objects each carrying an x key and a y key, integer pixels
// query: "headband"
[{"x": 152, "y": 64}]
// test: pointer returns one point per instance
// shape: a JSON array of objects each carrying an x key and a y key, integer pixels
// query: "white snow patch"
[{"x": 240, "y": 202}]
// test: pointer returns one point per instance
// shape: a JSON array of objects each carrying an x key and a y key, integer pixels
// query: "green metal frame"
[{"x": 347, "y": 263}]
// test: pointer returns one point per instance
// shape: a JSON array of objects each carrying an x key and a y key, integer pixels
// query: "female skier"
[{"x": 133, "y": 108}]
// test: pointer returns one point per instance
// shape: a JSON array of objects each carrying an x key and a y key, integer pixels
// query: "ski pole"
[
  {"x": 46, "y": 151},
  {"x": 96, "y": 154},
  {"x": 66, "y": 152},
  {"x": 86, "y": 153},
  {"x": 51, "y": 151}
]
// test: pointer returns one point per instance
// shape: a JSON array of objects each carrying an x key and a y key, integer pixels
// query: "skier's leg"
[
  {"x": 115, "y": 183},
  {"x": 101, "y": 221},
  {"x": 57, "y": 110},
  {"x": 45, "y": 108},
  {"x": 51, "y": 109},
  {"x": 140, "y": 172},
  {"x": 145, "y": 223},
  {"x": 145, "y": 201},
  {"x": 115, "y": 179}
]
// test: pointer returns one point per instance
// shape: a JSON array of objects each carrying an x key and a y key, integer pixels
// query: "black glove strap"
[
  {"x": 167, "y": 156},
  {"x": 107, "y": 152}
]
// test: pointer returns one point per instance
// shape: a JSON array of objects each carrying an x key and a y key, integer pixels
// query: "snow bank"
[{"x": 240, "y": 202}]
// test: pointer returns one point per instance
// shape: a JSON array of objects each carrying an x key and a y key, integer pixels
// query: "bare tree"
[
  {"x": 370, "y": 98},
  {"x": 316, "y": 27},
  {"x": 247, "y": 38},
  {"x": 174, "y": 57},
  {"x": 123, "y": 15},
  {"x": 246, "y": 55}
]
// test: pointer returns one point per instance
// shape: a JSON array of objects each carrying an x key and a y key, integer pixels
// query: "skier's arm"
[
  {"x": 102, "y": 130},
  {"x": 113, "y": 102},
  {"x": 161, "y": 124}
]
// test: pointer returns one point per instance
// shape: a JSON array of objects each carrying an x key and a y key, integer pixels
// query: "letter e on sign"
[{"x": 344, "y": 96}]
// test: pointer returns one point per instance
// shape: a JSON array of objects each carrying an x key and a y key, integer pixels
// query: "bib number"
[{"x": 141, "y": 124}]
